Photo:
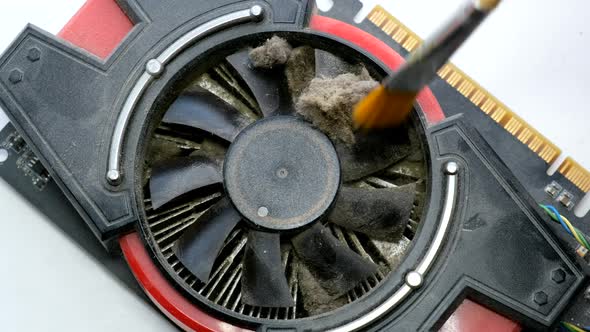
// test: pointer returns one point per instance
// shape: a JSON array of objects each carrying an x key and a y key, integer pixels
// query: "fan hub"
[{"x": 282, "y": 174}]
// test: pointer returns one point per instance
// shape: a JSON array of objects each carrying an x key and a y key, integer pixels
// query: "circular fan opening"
[{"x": 226, "y": 261}]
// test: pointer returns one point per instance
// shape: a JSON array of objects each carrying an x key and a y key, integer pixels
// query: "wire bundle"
[
  {"x": 572, "y": 328},
  {"x": 580, "y": 238},
  {"x": 567, "y": 225}
]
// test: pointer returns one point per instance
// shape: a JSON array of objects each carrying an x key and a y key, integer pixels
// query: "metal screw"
[
  {"x": 16, "y": 75},
  {"x": 262, "y": 212},
  {"x": 113, "y": 176},
  {"x": 256, "y": 11},
  {"x": 154, "y": 67},
  {"x": 558, "y": 276},
  {"x": 34, "y": 54},
  {"x": 414, "y": 279},
  {"x": 540, "y": 298},
  {"x": 282, "y": 173},
  {"x": 451, "y": 168}
]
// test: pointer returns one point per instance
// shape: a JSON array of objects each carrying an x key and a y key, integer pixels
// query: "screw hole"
[
  {"x": 325, "y": 5},
  {"x": 368, "y": 5}
]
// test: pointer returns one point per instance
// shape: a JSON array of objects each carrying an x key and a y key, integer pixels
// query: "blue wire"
[
  {"x": 558, "y": 215},
  {"x": 563, "y": 328}
]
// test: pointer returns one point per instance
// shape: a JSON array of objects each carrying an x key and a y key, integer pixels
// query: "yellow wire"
[
  {"x": 573, "y": 327},
  {"x": 570, "y": 226},
  {"x": 572, "y": 229}
]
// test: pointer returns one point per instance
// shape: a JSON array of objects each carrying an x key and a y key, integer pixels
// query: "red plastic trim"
[
  {"x": 383, "y": 52},
  {"x": 185, "y": 314},
  {"x": 471, "y": 316},
  {"x": 98, "y": 27}
]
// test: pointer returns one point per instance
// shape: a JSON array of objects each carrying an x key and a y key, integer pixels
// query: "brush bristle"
[{"x": 383, "y": 109}]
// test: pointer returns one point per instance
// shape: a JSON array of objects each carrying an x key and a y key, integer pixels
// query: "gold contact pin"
[{"x": 577, "y": 174}]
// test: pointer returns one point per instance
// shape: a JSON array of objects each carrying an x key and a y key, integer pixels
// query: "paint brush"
[{"x": 390, "y": 104}]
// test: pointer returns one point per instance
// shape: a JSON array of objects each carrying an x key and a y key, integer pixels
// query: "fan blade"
[
  {"x": 337, "y": 268},
  {"x": 372, "y": 152},
  {"x": 200, "y": 244},
  {"x": 315, "y": 299},
  {"x": 203, "y": 110},
  {"x": 382, "y": 214},
  {"x": 268, "y": 86},
  {"x": 263, "y": 281},
  {"x": 327, "y": 65},
  {"x": 179, "y": 176}
]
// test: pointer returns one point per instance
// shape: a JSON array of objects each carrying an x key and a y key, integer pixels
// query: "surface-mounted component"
[
  {"x": 582, "y": 252},
  {"x": 566, "y": 199},
  {"x": 30, "y": 165},
  {"x": 553, "y": 189},
  {"x": 27, "y": 162},
  {"x": 14, "y": 142}
]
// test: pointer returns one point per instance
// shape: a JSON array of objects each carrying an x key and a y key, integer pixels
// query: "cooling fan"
[
  {"x": 281, "y": 181},
  {"x": 211, "y": 143}
]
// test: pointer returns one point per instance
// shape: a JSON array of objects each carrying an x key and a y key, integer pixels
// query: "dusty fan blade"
[
  {"x": 372, "y": 152},
  {"x": 179, "y": 176},
  {"x": 382, "y": 214},
  {"x": 337, "y": 268},
  {"x": 327, "y": 65},
  {"x": 268, "y": 86},
  {"x": 263, "y": 281},
  {"x": 199, "y": 245},
  {"x": 203, "y": 110}
]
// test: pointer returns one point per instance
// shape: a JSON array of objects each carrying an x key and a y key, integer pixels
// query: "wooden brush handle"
[
  {"x": 486, "y": 5},
  {"x": 421, "y": 66}
]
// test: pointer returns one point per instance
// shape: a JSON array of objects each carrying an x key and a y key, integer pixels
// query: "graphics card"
[{"x": 211, "y": 144}]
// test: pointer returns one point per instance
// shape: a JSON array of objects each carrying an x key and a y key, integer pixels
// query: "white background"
[{"x": 531, "y": 54}]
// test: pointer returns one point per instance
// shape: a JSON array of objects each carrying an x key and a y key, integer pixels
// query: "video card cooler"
[{"x": 93, "y": 109}]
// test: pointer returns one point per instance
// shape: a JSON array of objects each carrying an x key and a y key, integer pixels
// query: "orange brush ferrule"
[{"x": 383, "y": 108}]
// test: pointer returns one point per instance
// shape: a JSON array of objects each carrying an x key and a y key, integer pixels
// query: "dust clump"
[
  {"x": 274, "y": 52},
  {"x": 300, "y": 70},
  {"x": 328, "y": 103}
]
